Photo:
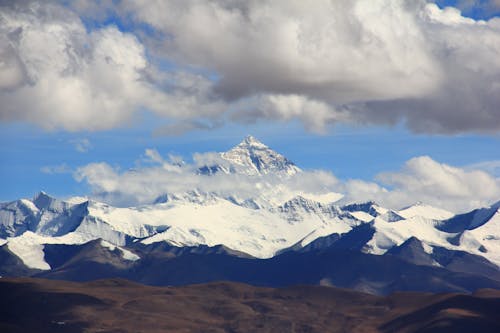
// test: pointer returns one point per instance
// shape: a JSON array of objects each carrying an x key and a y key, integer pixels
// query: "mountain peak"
[
  {"x": 42, "y": 200},
  {"x": 250, "y": 140},
  {"x": 253, "y": 157}
]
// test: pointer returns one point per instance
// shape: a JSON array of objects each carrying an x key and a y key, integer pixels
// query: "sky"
[{"x": 396, "y": 101}]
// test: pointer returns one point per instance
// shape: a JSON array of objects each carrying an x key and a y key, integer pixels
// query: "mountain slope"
[
  {"x": 252, "y": 157},
  {"x": 162, "y": 264}
]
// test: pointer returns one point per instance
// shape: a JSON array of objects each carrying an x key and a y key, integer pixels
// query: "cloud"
[
  {"x": 491, "y": 167},
  {"x": 56, "y": 169},
  {"x": 57, "y": 74},
  {"x": 181, "y": 127},
  {"x": 201, "y": 64},
  {"x": 158, "y": 176},
  {"x": 81, "y": 145},
  {"x": 423, "y": 179},
  {"x": 420, "y": 179},
  {"x": 379, "y": 62},
  {"x": 315, "y": 115}
]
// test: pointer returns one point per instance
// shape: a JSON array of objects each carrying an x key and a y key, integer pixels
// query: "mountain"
[
  {"x": 252, "y": 157},
  {"x": 84, "y": 239}
]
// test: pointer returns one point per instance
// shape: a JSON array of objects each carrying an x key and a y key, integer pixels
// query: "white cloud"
[
  {"x": 154, "y": 156},
  {"x": 420, "y": 179},
  {"x": 377, "y": 61},
  {"x": 144, "y": 184},
  {"x": 357, "y": 61},
  {"x": 55, "y": 169},
  {"x": 491, "y": 167},
  {"x": 57, "y": 74},
  {"x": 423, "y": 179},
  {"x": 81, "y": 145},
  {"x": 314, "y": 114}
]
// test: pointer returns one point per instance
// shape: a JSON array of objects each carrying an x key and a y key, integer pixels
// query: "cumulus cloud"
[
  {"x": 200, "y": 64},
  {"x": 315, "y": 115},
  {"x": 379, "y": 62},
  {"x": 491, "y": 167},
  {"x": 157, "y": 175},
  {"x": 56, "y": 73},
  {"x": 420, "y": 179},
  {"x": 423, "y": 179}
]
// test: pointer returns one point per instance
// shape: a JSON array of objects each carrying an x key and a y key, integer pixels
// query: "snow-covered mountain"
[
  {"x": 259, "y": 227},
  {"x": 252, "y": 157}
]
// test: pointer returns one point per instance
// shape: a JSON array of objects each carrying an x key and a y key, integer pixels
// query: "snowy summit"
[{"x": 252, "y": 157}]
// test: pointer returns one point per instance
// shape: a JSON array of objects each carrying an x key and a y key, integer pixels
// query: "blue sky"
[
  {"x": 349, "y": 152},
  {"x": 135, "y": 81}
]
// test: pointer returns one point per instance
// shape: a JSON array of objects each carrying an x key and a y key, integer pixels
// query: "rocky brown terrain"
[{"x": 116, "y": 305}]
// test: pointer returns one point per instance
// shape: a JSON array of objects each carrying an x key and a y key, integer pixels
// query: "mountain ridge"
[{"x": 256, "y": 227}]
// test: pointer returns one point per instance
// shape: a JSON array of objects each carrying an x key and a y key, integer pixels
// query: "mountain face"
[
  {"x": 252, "y": 157},
  {"x": 49, "y": 237}
]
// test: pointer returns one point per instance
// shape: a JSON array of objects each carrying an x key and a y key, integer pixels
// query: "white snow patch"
[
  {"x": 29, "y": 249},
  {"x": 260, "y": 233},
  {"x": 425, "y": 211},
  {"x": 488, "y": 236},
  {"x": 29, "y": 204},
  {"x": 399, "y": 231},
  {"x": 362, "y": 216},
  {"x": 427, "y": 248},
  {"x": 77, "y": 200},
  {"x": 324, "y": 199},
  {"x": 326, "y": 230},
  {"x": 126, "y": 254}
]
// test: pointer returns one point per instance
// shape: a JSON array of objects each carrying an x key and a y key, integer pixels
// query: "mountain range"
[{"x": 268, "y": 239}]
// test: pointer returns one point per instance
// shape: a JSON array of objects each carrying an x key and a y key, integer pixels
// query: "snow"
[
  {"x": 126, "y": 254},
  {"x": 30, "y": 205},
  {"x": 77, "y": 200},
  {"x": 487, "y": 235},
  {"x": 29, "y": 246},
  {"x": 260, "y": 233},
  {"x": 252, "y": 157},
  {"x": 427, "y": 248},
  {"x": 363, "y": 216},
  {"x": 426, "y": 211},
  {"x": 388, "y": 234},
  {"x": 260, "y": 226},
  {"x": 29, "y": 249},
  {"x": 326, "y": 230},
  {"x": 325, "y": 198},
  {"x": 92, "y": 228}
]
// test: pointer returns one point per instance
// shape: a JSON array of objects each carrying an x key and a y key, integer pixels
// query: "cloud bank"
[
  {"x": 155, "y": 176},
  {"x": 56, "y": 73},
  {"x": 426, "y": 180},
  {"x": 420, "y": 179},
  {"x": 200, "y": 64}
]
